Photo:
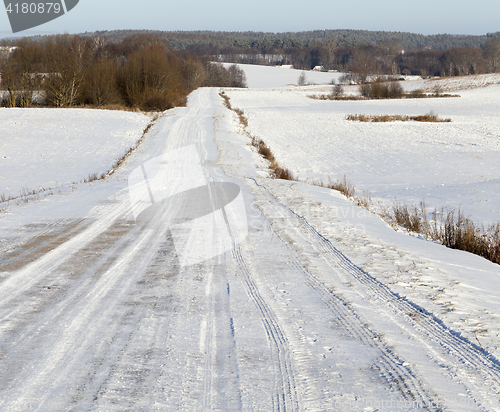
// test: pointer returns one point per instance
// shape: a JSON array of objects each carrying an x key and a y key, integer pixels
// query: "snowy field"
[
  {"x": 262, "y": 77},
  {"x": 451, "y": 165},
  {"x": 48, "y": 148}
]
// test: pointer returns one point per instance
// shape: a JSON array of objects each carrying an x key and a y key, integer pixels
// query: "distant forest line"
[
  {"x": 192, "y": 40},
  {"x": 358, "y": 51}
]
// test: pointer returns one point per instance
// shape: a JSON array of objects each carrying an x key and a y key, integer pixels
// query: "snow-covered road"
[{"x": 98, "y": 312}]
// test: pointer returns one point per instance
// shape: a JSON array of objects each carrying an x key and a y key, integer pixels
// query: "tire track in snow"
[
  {"x": 77, "y": 324},
  {"x": 394, "y": 370},
  {"x": 25, "y": 278},
  {"x": 482, "y": 369},
  {"x": 286, "y": 396},
  {"x": 32, "y": 313}
]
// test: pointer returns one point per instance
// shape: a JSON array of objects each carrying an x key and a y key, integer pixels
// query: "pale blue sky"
[{"x": 421, "y": 16}]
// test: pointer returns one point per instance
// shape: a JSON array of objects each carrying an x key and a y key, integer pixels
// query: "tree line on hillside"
[
  {"x": 142, "y": 71},
  {"x": 187, "y": 40},
  {"x": 360, "y": 51},
  {"x": 385, "y": 58}
]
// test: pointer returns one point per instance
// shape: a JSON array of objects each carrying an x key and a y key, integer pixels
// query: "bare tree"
[
  {"x": 363, "y": 63},
  {"x": 330, "y": 45},
  {"x": 9, "y": 80},
  {"x": 66, "y": 60},
  {"x": 338, "y": 90},
  {"x": 492, "y": 54},
  {"x": 20, "y": 75},
  {"x": 100, "y": 83},
  {"x": 302, "y": 80},
  {"x": 193, "y": 74}
]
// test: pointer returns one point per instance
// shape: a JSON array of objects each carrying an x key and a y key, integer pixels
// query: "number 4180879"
[{"x": 33, "y": 8}]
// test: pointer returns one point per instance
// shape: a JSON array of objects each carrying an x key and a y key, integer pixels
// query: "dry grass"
[
  {"x": 25, "y": 195},
  {"x": 453, "y": 229},
  {"x": 92, "y": 177},
  {"x": 429, "y": 117},
  {"x": 334, "y": 97},
  {"x": 225, "y": 100},
  {"x": 277, "y": 171},
  {"x": 114, "y": 106},
  {"x": 283, "y": 174},
  {"x": 241, "y": 117},
  {"x": 365, "y": 200},
  {"x": 343, "y": 186},
  {"x": 407, "y": 217},
  {"x": 415, "y": 94}
]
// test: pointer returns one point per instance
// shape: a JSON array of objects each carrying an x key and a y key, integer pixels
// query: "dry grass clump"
[
  {"x": 343, "y": 186},
  {"x": 116, "y": 106},
  {"x": 452, "y": 229},
  {"x": 408, "y": 217},
  {"x": 283, "y": 174},
  {"x": 429, "y": 117},
  {"x": 416, "y": 94},
  {"x": 225, "y": 100},
  {"x": 333, "y": 97},
  {"x": 365, "y": 200},
  {"x": 278, "y": 172},
  {"x": 241, "y": 117},
  {"x": 347, "y": 189}
]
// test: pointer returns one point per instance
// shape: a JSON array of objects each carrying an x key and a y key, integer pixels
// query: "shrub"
[
  {"x": 218, "y": 76},
  {"x": 155, "y": 100},
  {"x": 100, "y": 84},
  {"x": 302, "y": 80},
  {"x": 381, "y": 89},
  {"x": 417, "y": 94},
  {"x": 142, "y": 72},
  {"x": 337, "y": 91}
]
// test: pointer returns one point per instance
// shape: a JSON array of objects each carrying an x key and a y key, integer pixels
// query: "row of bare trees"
[{"x": 140, "y": 72}]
